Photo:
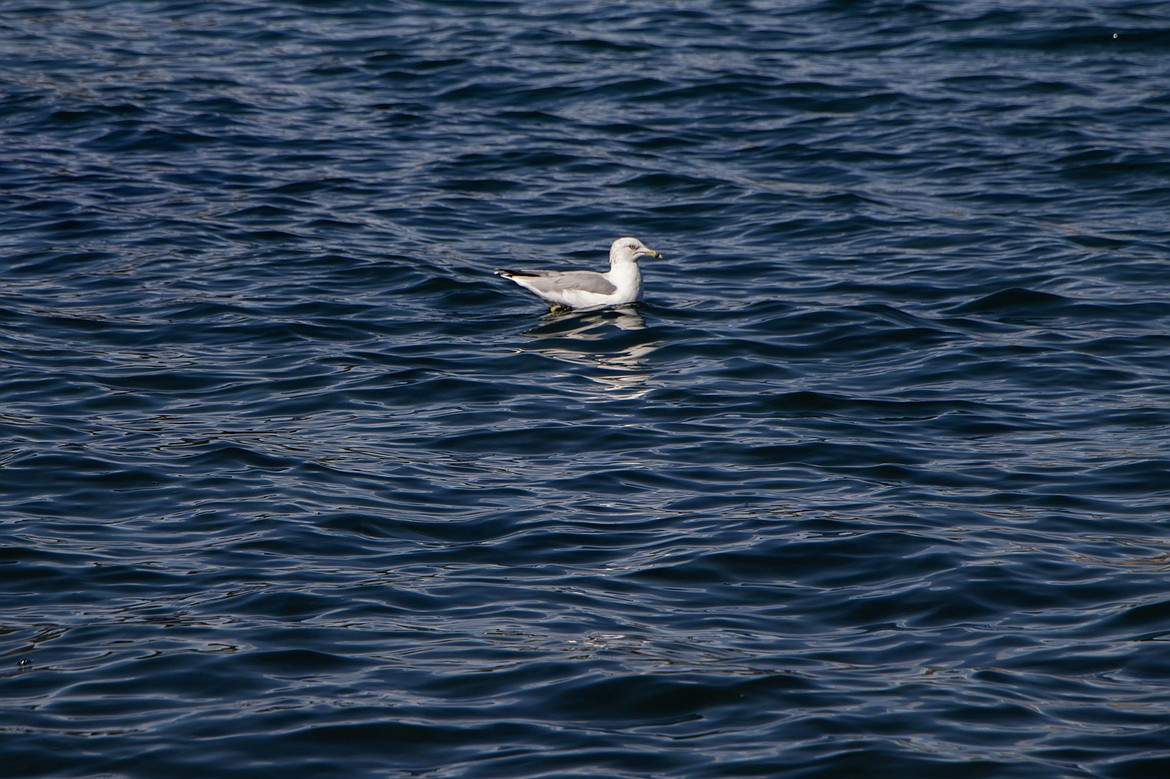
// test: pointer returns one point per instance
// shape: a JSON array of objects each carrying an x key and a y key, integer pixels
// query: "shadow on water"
[{"x": 614, "y": 340}]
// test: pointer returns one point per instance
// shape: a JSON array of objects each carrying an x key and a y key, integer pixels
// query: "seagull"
[{"x": 622, "y": 283}]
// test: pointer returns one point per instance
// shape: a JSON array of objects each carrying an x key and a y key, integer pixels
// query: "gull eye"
[{"x": 633, "y": 246}]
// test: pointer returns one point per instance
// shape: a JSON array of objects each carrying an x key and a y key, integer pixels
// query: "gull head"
[{"x": 629, "y": 250}]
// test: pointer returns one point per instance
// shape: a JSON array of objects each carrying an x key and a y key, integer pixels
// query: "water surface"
[{"x": 875, "y": 482}]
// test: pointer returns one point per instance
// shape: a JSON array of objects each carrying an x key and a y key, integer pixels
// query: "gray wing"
[{"x": 564, "y": 281}]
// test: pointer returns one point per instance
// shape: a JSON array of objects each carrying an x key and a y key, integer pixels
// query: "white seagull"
[{"x": 622, "y": 283}]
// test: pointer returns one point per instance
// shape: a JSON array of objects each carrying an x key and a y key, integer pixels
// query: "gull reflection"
[{"x": 593, "y": 339}]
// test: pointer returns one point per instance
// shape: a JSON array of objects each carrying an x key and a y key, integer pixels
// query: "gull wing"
[{"x": 559, "y": 282}]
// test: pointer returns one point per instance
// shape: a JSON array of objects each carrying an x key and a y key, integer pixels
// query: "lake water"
[{"x": 874, "y": 483}]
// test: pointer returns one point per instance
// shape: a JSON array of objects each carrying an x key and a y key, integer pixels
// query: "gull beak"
[{"x": 651, "y": 253}]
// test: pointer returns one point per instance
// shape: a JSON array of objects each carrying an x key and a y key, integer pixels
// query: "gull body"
[{"x": 622, "y": 283}]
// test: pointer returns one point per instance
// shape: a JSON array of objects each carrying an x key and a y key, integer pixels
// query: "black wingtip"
[{"x": 506, "y": 272}]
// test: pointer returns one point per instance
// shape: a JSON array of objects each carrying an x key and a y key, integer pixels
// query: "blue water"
[{"x": 874, "y": 483}]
